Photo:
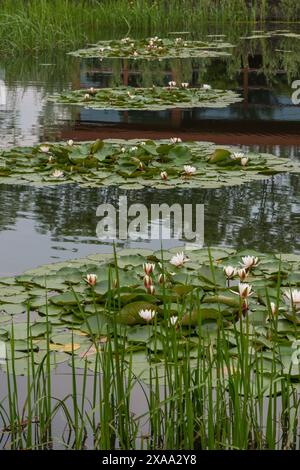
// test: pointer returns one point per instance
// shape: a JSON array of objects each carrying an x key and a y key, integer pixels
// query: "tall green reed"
[{"x": 207, "y": 398}]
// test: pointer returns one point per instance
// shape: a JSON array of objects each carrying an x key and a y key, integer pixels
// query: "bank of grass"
[{"x": 31, "y": 25}]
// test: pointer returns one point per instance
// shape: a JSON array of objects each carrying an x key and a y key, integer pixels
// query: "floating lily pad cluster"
[
  {"x": 139, "y": 294},
  {"x": 154, "y": 48},
  {"x": 136, "y": 164},
  {"x": 272, "y": 34},
  {"x": 154, "y": 98}
]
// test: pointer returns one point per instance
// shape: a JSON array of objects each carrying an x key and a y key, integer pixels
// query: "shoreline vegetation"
[{"x": 39, "y": 25}]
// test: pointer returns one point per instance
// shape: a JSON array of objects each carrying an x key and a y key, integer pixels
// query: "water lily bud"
[
  {"x": 151, "y": 290},
  {"x": 91, "y": 279},
  {"x": 148, "y": 282},
  {"x": 149, "y": 268},
  {"x": 242, "y": 274},
  {"x": 164, "y": 175},
  {"x": 173, "y": 320},
  {"x": 244, "y": 161},
  {"x": 273, "y": 308},
  {"x": 230, "y": 271},
  {"x": 161, "y": 279}
]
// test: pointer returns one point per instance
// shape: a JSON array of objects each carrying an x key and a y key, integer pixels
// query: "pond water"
[{"x": 38, "y": 226}]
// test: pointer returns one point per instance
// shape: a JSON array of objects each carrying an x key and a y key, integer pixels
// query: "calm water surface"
[{"x": 42, "y": 225}]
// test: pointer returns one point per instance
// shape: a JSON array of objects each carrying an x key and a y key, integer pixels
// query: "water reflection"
[
  {"x": 60, "y": 223},
  {"x": 261, "y": 69},
  {"x": 39, "y": 225}
]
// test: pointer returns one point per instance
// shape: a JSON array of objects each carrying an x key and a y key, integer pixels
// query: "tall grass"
[
  {"x": 30, "y": 25},
  {"x": 204, "y": 400}
]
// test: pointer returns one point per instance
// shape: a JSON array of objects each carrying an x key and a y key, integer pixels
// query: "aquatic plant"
[
  {"x": 155, "y": 48},
  {"x": 135, "y": 164},
  {"x": 218, "y": 376},
  {"x": 154, "y": 98}
]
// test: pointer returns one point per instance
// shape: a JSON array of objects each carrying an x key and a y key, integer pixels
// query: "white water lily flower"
[
  {"x": 70, "y": 142},
  {"x": 92, "y": 90},
  {"x": 184, "y": 85},
  {"x": 91, "y": 279},
  {"x": 293, "y": 297},
  {"x": 175, "y": 140},
  {"x": 245, "y": 290},
  {"x": 57, "y": 174},
  {"x": 189, "y": 170},
  {"x": 249, "y": 262},
  {"x": 179, "y": 259},
  {"x": 135, "y": 53},
  {"x": 172, "y": 84},
  {"x": 244, "y": 161},
  {"x": 147, "y": 314},
  {"x": 230, "y": 271},
  {"x": 44, "y": 148},
  {"x": 142, "y": 143},
  {"x": 133, "y": 149},
  {"x": 149, "y": 268},
  {"x": 237, "y": 155},
  {"x": 164, "y": 175},
  {"x": 206, "y": 87},
  {"x": 242, "y": 274},
  {"x": 86, "y": 96},
  {"x": 50, "y": 159},
  {"x": 173, "y": 320}
]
